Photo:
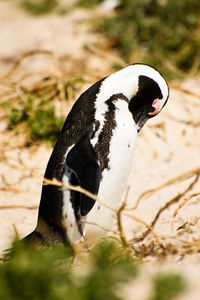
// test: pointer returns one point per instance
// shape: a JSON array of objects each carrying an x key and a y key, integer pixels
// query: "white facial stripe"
[
  {"x": 150, "y": 72},
  {"x": 121, "y": 82},
  {"x": 125, "y": 81}
]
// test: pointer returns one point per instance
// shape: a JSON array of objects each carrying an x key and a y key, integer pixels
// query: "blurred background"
[{"x": 50, "y": 52}]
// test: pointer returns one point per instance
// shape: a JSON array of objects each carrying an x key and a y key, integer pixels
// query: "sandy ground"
[{"x": 167, "y": 152}]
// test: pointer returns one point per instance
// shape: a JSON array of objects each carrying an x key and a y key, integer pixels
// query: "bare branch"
[
  {"x": 120, "y": 227},
  {"x": 167, "y": 205},
  {"x": 18, "y": 206},
  {"x": 11, "y": 189},
  {"x": 185, "y": 200},
  {"x": 22, "y": 57},
  {"x": 171, "y": 181},
  {"x": 94, "y": 197}
]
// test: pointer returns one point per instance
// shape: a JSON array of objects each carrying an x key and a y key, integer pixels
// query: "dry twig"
[
  {"x": 11, "y": 189},
  {"x": 185, "y": 200},
  {"x": 167, "y": 205},
  {"x": 22, "y": 57},
  {"x": 171, "y": 181},
  {"x": 119, "y": 223},
  {"x": 18, "y": 206},
  {"x": 55, "y": 182}
]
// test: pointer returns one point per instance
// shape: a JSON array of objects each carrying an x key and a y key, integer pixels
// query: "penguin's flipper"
[{"x": 84, "y": 170}]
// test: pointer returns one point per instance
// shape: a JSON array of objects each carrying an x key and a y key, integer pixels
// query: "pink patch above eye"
[{"x": 156, "y": 106}]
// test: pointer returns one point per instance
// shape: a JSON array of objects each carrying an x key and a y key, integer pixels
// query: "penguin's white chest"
[{"x": 115, "y": 177}]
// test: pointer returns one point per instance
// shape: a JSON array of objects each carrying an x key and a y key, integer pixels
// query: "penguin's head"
[{"x": 150, "y": 96}]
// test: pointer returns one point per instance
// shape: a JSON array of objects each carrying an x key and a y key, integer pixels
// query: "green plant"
[
  {"x": 88, "y": 3},
  {"x": 39, "y": 7},
  {"x": 49, "y": 274},
  {"x": 31, "y": 274},
  {"x": 167, "y": 286},
  {"x": 164, "y": 34},
  {"x": 111, "y": 265},
  {"x": 38, "y": 118},
  {"x": 58, "y": 274}
]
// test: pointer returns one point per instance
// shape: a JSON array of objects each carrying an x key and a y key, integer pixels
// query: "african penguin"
[{"x": 95, "y": 151}]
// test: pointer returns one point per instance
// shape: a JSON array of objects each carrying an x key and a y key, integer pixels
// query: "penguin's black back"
[{"x": 81, "y": 115}]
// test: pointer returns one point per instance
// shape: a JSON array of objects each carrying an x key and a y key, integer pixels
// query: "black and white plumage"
[{"x": 95, "y": 150}]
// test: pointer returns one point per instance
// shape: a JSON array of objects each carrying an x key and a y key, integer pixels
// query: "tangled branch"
[{"x": 118, "y": 210}]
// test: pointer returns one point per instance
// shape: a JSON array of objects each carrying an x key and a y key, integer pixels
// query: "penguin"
[{"x": 95, "y": 151}]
